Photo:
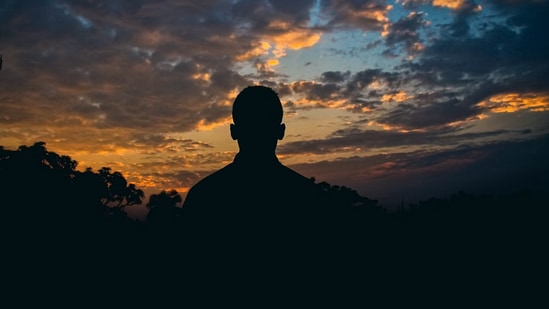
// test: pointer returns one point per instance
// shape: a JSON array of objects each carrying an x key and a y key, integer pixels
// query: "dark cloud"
[
  {"x": 460, "y": 26},
  {"x": 362, "y": 79},
  {"x": 150, "y": 141},
  {"x": 297, "y": 12},
  {"x": 258, "y": 16},
  {"x": 405, "y": 31},
  {"x": 494, "y": 168},
  {"x": 334, "y": 76},
  {"x": 474, "y": 56},
  {"x": 362, "y": 14},
  {"x": 315, "y": 91},
  {"x": 353, "y": 139},
  {"x": 409, "y": 116},
  {"x": 502, "y": 49}
]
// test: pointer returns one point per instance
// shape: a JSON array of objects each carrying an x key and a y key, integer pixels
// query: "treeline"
[
  {"x": 43, "y": 187},
  {"x": 63, "y": 225},
  {"x": 43, "y": 191}
]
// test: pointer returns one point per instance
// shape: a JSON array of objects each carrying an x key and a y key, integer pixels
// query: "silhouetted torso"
[{"x": 252, "y": 197}]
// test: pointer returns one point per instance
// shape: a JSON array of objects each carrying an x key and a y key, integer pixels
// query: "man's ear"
[
  {"x": 234, "y": 131},
  {"x": 281, "y": 131}
]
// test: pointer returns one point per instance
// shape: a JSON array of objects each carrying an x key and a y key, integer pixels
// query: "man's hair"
[{"x": 257, "y": 105}]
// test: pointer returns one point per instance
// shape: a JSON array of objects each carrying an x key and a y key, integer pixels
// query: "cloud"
[
  {"x": 513, "y": 102},
  {"x": 130, "y": 87},
  {"x": 405, "y": 31},
  {"x": 408, "y": 177},
  {"x": 459, "y": 5},
  {"x": 315, "y": 91},
  {"x": 368, "y": 15},
  {"x": 358, "y": 140},
  {"x": 334, "y": 76},
  {"x": 151, "y": 66},
  {"x": 422, "y": 116}
]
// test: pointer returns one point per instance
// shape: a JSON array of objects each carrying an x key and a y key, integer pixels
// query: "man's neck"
[{"x": 250, "y": 157}]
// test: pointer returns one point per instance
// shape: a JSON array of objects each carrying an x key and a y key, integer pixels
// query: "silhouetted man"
[{"x": 255, "y": 195}]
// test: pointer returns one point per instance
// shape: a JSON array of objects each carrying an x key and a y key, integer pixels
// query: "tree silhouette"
[
  {"x": 163, "y": 210},
  {"x": 44, "y": 190},
  {"x": 117, "y": 193}
]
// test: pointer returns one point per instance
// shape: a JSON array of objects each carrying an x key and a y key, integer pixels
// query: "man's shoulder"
[
  {"x": 295, "y": 177},
  {"x": 215, "y": 178}
]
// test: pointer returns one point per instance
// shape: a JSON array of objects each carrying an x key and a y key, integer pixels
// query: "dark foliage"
[
  {"x": 42, "y": 189},
  {"x": 43, "y": 193},
  {"x": 57, "y": 215}
]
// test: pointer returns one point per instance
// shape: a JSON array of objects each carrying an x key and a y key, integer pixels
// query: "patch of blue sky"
[
  {"x": 352, "y": 51},
  {"x": 397, "y": 11},
  {"x": 315, "y": 16}
]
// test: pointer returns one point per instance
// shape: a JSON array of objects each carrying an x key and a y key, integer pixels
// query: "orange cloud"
[
  {"x": 454, "y": 4},
  {"x": 513, "y": 102},
  {"x": 400, "y": 96},
  {"x": 388, "y": 127},
  {"x": 281, "y": 38},
  {"x": 469, "y": 119},
  {"x": 202, "y": 76},
  {"x": 292, "y": 38},
  {"x": 371, "y": 13},
  {"x": 204, "y": 125},
  {"x": 260, "y": 48}
]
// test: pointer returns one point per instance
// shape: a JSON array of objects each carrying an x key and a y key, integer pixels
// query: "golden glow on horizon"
[
  {"x": 156, "y": 182},
  {"x": 513, "y": 102}
]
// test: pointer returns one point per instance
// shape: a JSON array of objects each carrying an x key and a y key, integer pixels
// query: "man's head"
[
  {"x": 256, "y": 105},
  {"x": 257, "y": 116}
]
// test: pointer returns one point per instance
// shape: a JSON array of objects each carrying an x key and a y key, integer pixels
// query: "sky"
[{"x": 400, "y": 100}]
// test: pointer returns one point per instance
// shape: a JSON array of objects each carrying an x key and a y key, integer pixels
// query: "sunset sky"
[{"x": 399, "y": 100}]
